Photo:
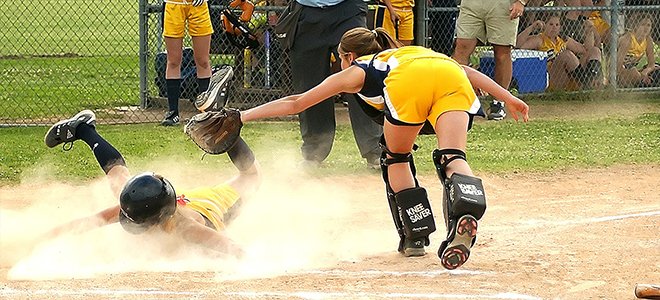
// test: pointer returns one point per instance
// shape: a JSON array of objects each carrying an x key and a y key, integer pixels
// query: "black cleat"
[
  {"x": 497, "y": 111},
  {"x": 455, "y": 251},
  {"x": 65, "y": 131},
  {"x": 413, "y": 247},
  {"x": 215, "y": 97},
  {"x": 171, "y": 118}
]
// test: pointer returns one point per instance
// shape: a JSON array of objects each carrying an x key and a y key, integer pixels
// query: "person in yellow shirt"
[
  {"x": 148, "y": 202},
  {"x": 633, "y": 46},
  {"x": 195, "y": 15},
  {"x": 571, "y": 65},
  {"x": 410, "y": 90},
  {"x": 399, "y": 20}
]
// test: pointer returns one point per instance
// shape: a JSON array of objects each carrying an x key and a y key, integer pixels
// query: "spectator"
[
  {"x": 320, "y": 25},
  {"x": 574, "y": 20},
  {"x": 570, "y": 64},
  {"x": 633, "y": 46},
  {"x": 601, "y": 24},
  {"x": 529, "y": 17},
  {"x": 398, "y": 20},
  {"x": 177, "y": 14},
  {"x": 442, "y": 26},
  {"x": 491, "y": 22}
]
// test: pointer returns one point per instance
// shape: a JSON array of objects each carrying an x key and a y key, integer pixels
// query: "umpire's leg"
[
  {"x": 310, "y": 64},
  {"x": 367, "y": 132},
  {"x": 317, "y": 123}
]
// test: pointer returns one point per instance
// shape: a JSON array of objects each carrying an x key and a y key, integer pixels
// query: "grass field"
[
  {"x": 573, "y": 213},
  {"x": 546, "y": 143},
  {"x": 57, "y": 56},
  {"x": 87, "y": 28}
]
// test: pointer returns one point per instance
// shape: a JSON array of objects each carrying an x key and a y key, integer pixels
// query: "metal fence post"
[
  {"x": 614, "y": 43},
  {"x": 421, "y": 22},
  {"x": 143, "y": 31}
]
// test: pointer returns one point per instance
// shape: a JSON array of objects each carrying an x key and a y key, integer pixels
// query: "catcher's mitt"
[{"x": 215, "y": 132}]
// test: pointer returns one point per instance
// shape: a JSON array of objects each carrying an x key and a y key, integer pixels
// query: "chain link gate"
[
  {"x": 57, "y": 58},
  {"x": 260, "y": 74}
]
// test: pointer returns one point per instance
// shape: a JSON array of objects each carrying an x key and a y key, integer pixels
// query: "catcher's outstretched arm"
[
  {"x": 483, "y": 82},
  {"x": 350, "y": 80}
]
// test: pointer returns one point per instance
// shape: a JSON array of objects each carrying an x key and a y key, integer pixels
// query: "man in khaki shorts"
[{"x": 493, "y": 22}]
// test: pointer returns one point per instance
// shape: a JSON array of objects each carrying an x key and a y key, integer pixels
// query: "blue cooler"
[{"x": 530, "y": 69}]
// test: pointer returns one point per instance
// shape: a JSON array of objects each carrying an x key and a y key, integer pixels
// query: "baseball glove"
[{"x": 215, "y": 132}]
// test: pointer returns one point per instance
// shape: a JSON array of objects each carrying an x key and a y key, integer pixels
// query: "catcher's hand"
[{"x": 215, "y": 132}]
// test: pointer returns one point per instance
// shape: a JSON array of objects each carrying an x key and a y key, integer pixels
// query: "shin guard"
[{"x": 415, "y": 213}]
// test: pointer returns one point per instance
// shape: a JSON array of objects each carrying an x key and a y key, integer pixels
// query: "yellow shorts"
[
  {"x": 214, "y": 203},
  {"x": 177, "y": 15},
  {"x": 424, "y": 88},
  {"x": 406, "y": 24}
]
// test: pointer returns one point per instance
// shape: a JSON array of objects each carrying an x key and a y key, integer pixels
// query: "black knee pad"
[
  {"x": 464, "y": 196},
  {"x": 415, "y": 213},
  {"x": 395, "y": 208}
]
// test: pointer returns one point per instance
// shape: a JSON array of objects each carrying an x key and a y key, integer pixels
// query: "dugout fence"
[{"x": 58, "y": 58}]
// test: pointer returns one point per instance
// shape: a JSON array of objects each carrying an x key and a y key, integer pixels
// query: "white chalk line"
[
  {"x": 376, "y": 273},
  {"x": 6, "y": 292},
  {"x": 538, "y": 223}
]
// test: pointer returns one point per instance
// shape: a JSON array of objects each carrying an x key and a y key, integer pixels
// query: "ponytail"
[{"x": 363, "y": 41}]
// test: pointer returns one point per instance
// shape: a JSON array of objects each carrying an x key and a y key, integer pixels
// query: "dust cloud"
[{"x": 294, "y": 222}]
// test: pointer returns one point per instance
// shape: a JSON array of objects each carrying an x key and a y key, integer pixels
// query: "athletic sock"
[
  {"x": 106, "y": 155},
  {"x": 173, "y": 93},
  {"x": 241, "y": 155},
  {"x": 203, "y": 84}
]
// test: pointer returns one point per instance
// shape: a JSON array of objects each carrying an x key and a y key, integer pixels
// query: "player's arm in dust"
[
  {"x": 199, "y": 234},
  {"x": 107, "y": 216},
  {"x": 349, "y": 80},
  {"x": 483, "y": 82}
]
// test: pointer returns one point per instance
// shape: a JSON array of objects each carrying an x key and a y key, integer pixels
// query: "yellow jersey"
[
  {"x": 213, "y": 203},
  {"x": 635, "y": 51},
  {"x": 552, "y": 47}
]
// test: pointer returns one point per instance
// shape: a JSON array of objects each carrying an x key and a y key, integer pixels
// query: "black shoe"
[
  {"x": 215, "y": 97},
  {"x": 455, "y": 251},
  {"x": 413, "y": 247},
  {"x": 171, "y": 118},
  {"x": 373, "y": 162},
  {"x": 65, "y": 131},
  {"x": 497, "y": 111}
]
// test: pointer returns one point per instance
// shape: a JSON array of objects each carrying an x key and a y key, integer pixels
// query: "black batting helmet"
[{"x": 146, "y": 200}]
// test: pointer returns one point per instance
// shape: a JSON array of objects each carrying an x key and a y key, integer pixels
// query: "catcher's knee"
[
  {"x": 389, "y": 158},
  {"x": 410, "y": 208},
  {"x": 463, "y": 194}
]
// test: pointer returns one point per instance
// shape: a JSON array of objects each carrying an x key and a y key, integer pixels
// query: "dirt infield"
[{"x": 580, "y": 234}]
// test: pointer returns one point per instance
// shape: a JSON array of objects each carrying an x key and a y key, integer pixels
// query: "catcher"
[
  {"x": 149, "y": 202},
  {"x": 413, "y": 90}
]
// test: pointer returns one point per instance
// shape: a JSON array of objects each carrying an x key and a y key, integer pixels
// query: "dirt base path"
[{"x": 583, "y": 234}]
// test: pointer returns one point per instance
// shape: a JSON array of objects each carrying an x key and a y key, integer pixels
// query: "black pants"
[{"x": 319, "y": 31}]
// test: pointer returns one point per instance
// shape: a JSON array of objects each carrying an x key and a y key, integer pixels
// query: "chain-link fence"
[
  {"x": 603, "y": 44},
  {"x": 57, "y": 58}
]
